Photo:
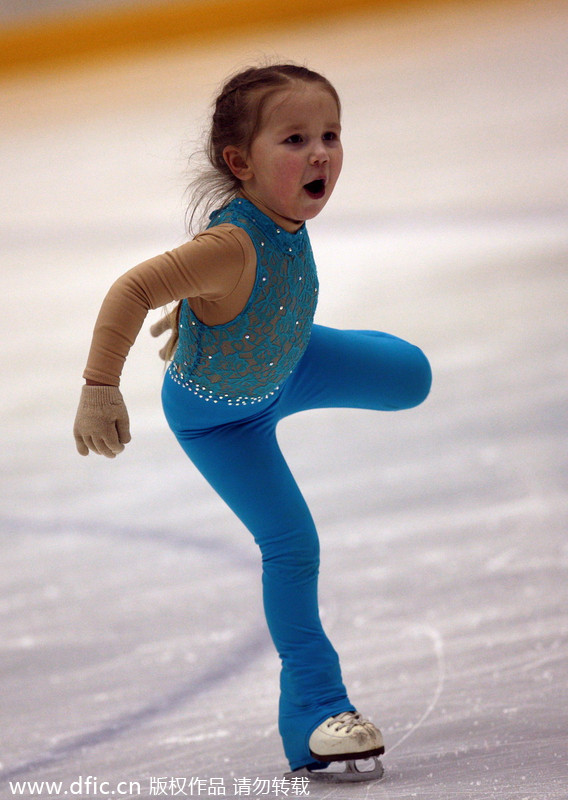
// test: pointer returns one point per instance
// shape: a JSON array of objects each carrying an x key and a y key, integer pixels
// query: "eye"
[
  {"x": 330, "y": 136},
  {"x": 296, "y": 138}
]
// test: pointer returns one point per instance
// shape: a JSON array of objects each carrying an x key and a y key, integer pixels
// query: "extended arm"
[{"x": 209, "y": 267}]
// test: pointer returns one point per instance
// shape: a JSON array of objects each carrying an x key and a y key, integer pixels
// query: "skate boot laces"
[
  {"x": 345, "y": 737},
  {"x": 347, "y": 720}
]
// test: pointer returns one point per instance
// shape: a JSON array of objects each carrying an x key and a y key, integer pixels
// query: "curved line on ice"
[
  {"x": 171, "y": 538},
  {"x": 436, "y": 637},
  {"x": 223, "y": 665}
]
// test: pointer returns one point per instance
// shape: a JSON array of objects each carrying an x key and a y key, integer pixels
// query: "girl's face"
[{"x": 294, "y": 161}]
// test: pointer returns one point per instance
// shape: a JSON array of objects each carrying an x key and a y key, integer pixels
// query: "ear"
[{"x": 237, "y": 163}]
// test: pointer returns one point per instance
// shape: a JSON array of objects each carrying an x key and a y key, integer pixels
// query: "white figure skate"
[{"x": 347, "y": 747}]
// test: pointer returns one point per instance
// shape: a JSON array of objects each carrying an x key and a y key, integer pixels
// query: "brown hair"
[{"x": 237, "y": 118}]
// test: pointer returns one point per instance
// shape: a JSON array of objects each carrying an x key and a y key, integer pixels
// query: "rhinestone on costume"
[{"x": 209, "y": 361}]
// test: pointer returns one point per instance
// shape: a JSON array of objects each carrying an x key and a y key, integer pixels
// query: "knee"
[
  {"x": 419, "y": 380},
  {"x": 425, "y": 377},
  {"x": 295, "y": 557}
]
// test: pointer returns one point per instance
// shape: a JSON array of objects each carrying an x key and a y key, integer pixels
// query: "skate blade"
[{"x": 351, "y": 771}]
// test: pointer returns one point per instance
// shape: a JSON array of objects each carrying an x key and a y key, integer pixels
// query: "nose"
[{"x": 319, "y": 155}]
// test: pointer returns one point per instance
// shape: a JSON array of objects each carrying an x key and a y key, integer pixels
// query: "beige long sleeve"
[{"x": 215, "y": 272}]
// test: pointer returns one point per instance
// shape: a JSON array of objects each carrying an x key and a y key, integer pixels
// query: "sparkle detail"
[{"x": 245, "y": 360}]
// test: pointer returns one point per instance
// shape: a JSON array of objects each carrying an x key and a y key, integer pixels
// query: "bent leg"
[{"x": 357, "y": 369}]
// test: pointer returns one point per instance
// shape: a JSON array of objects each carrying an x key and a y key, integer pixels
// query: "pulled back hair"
[{"x": 237, "y": 118}]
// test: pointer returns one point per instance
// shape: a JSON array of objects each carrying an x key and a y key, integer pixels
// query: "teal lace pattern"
[{"x": 248, "y": 359}]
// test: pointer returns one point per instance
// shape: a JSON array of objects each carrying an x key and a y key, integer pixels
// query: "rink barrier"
[{"x": 80, "y": 36}]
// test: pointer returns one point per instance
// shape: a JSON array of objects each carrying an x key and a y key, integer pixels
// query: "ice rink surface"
[{"x": 132, "y": 641}]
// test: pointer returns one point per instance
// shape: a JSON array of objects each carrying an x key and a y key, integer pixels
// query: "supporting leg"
[{"x": 244, "y": 464}]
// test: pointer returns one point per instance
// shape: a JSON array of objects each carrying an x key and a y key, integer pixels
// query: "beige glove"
[
  {"x": 101, "y": 424},
  {"x": 166, "y": 323}
]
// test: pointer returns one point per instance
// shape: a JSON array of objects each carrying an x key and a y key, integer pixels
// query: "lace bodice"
[{"x": 249, "y": 358}]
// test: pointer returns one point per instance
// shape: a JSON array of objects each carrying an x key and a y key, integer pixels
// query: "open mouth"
[{"x": 315, "y": 189}]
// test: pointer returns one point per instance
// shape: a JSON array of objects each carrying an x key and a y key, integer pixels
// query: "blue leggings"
[{"x": 235, "y": 448}]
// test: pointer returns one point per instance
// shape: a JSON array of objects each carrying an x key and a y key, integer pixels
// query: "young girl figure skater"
[{"x": 244, "y": 354}]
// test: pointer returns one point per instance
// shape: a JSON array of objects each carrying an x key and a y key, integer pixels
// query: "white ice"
[{"x": 132, "y": 640}]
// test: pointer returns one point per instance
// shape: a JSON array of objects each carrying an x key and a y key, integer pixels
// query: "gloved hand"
[
  {"x": 101, "y": 424},
  {"x": 166, "y": 323}
]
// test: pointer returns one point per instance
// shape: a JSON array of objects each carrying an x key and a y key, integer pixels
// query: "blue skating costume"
[{"x": 223, "y": 395}]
